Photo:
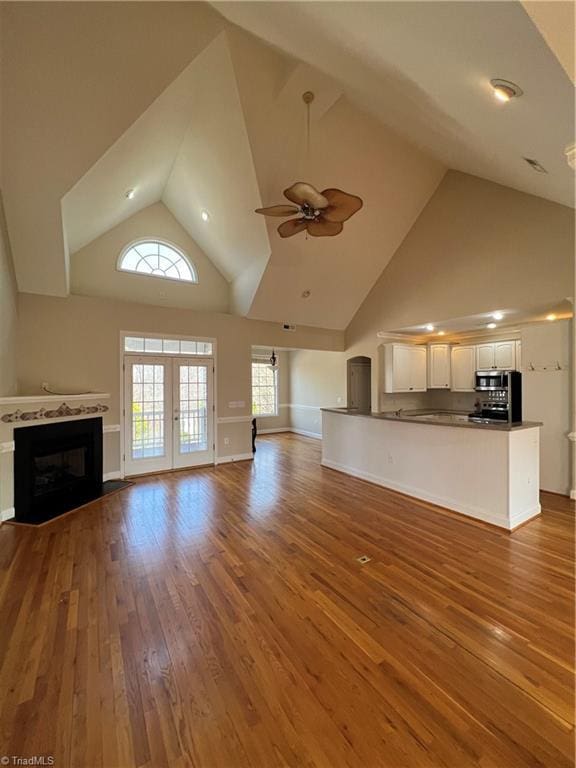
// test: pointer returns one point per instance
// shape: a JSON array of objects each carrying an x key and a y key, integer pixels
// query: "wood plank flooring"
[{"x": 219, "y": 618}]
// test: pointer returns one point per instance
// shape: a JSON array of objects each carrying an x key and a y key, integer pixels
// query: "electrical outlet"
[
  {"x": 390, "y": 459},
  {"x": 226, "y": 441}
]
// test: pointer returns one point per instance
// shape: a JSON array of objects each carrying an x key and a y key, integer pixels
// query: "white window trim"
[
  {"x": 162, "y": 241},
  {"x": 169, "y": 336},
  {"x": 277, "y": 387}
]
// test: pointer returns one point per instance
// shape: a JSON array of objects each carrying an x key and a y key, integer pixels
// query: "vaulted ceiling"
[
  {"x": 213, "y": 121},
  {"x": 424, "y": 68}
]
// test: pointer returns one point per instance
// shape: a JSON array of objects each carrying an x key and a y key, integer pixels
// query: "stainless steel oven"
[{"x": 501, "y": 397}]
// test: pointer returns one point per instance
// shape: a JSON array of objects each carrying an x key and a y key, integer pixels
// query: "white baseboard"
[
  {"x": 237, "y": 457},
  {"x": 474, "y": 512},
  {"x": 304, "y": 433},
  {"x": 7, "y": 514},
  {"x": 273, "y": 431},
  {"x": 523, "y": 517},
  {"x": 116, "y": 475}
]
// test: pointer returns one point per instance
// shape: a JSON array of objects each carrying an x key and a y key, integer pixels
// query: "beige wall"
[
  {"x": 8, "y": 314},
  {"x": 73, "y": 343},
  {"x": 475, "y": 247},
  {"x": 547, "y": 398},
  {"x": 94, "y": 273},
  {"x": 317, "y": 380}
]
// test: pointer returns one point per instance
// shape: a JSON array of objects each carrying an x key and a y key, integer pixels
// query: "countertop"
[{"x": 443, "y": 419}]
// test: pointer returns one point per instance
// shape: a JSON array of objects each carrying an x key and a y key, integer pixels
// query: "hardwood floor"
[{"x": 219, "y": 619}]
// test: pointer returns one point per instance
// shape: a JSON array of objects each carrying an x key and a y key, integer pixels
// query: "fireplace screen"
[{"x": 57, "y": 470}]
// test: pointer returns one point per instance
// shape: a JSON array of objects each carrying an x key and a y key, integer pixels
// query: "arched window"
[{"x": 159, "y": 259}]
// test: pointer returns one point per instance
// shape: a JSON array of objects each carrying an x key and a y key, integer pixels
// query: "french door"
[{"x": 168, "y": 413}]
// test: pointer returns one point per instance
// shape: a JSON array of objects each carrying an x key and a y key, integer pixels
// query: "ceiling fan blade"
[
  {"x": 322, "y": 228},
  {"x": 302, "y": 193},
  {"x": 341, "y": 205},
  {"x": 292, "y": 227},
  {"x": 278, "y": 210}
]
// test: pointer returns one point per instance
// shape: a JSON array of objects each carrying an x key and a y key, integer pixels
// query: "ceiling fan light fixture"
[{"x": 319, "y": 214}]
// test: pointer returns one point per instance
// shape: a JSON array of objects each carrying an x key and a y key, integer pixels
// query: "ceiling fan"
[{"x": 320, "y": 214}]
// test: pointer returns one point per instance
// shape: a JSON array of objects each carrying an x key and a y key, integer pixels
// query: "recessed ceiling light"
[
  {"x": 491, "y": 325},
  {"x": 551, "y": 316},
  {"x": 429, "y": 327},
  {"x": 205, "y": 216},
  {"x": 504, "y": 90},
  {"x": 497, "y": 315},
  {"x": 441, "y": 333},
  {"x": 130, "y": 193}
]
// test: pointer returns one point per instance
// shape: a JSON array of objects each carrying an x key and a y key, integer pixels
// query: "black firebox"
[{"x": 57, "y": 467}]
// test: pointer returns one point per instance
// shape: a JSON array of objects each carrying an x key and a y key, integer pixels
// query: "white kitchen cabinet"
[
  {"x": 404, "y": 368},
  {"x": 439, "y": 366},
  {"x": 498, "y": 354},
  {"x": 505, "y": 355},
  {"x": 484, "y": 357},
  {"x": 518, "y": 355},
  {"x": 463, "y": 378}
]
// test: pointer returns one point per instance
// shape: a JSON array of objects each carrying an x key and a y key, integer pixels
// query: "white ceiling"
[
  {"x": 401, "y": 94},
  {"x": 228, "y": 136},
  {"x": 424, "y": 69},
  {"x": 213, "y": 171}
]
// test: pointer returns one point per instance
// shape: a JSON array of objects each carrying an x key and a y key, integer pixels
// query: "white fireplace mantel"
[{"x": 45, "y": 398}]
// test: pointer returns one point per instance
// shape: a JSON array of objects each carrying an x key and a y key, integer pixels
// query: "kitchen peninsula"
[{"x": 486, "y": 471}]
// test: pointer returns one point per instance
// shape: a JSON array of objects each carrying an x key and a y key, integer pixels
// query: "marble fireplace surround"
[{"x": 23, "y": 411}]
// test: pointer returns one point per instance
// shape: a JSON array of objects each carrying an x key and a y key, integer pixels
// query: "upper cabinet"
[
  {"x": 404, "y": 368},
  {"x": 498, "y": 354},
  {"x": 439, "y": 366},
  {"x": 463, "y": 369}
]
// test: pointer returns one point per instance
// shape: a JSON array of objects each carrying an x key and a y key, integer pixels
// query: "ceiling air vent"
[
  {"x": 535, "y": 165},
  {"x": 288, "y": 327}
]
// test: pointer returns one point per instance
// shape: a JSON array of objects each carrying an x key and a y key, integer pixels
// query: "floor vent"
[{"x": 363, "y": 559}]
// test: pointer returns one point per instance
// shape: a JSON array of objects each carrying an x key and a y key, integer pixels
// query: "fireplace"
[{"x": 57, "y": 467}]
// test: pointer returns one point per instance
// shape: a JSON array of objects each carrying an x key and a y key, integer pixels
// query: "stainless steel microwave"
[{"x": 489, "y": 381}]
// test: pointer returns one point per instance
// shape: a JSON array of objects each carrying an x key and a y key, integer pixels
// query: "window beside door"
[{"x": 264, "y": 389}]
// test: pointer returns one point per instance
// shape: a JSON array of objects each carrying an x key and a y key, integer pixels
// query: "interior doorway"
[{"x": 359, "y": 382}]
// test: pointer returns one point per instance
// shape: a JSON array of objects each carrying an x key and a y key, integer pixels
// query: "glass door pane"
[
  {"x": 193, "y": 413},
  {"x": 148, "y": 445}
]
